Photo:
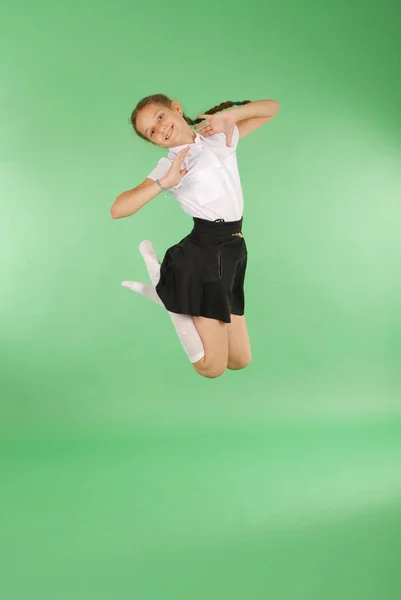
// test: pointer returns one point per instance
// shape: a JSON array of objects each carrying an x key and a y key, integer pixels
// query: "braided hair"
[{"x": 166, "y": 101}]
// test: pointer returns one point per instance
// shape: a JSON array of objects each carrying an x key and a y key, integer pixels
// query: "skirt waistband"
[{"x": 218, "y": 230}]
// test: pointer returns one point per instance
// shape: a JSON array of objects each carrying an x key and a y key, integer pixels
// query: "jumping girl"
[{"x": 200, "y": 281}]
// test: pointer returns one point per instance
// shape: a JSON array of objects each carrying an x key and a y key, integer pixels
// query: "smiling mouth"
[{"x": 169, "y": 133}]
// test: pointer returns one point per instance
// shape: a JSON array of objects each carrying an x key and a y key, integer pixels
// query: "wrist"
[
  {"x": 163, "y": 185},
  {"x": 234, "y": 114},
  {"x": 164, "y": 182}
]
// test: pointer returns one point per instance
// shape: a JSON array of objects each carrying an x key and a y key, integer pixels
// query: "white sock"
[
  {"x": 184, "y": 324},
  {"x": 145, "y": 289}
]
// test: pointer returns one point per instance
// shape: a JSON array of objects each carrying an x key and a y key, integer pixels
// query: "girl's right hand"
[{"x": 175, "y": 173}]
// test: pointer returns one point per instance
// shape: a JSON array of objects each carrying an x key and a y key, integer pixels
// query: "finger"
[
  {"x": 182, "y": 156},
  {"x": 205, "y": 127},
  {"x": 202, "y": 125}
]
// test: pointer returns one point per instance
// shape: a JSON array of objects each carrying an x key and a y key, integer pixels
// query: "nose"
[{"x": 163, "y": 130}]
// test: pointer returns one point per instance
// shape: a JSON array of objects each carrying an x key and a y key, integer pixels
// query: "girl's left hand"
[{"x": 218, "y": 123}]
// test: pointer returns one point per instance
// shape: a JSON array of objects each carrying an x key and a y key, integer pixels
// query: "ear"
[{"x": 176, "y": 106}]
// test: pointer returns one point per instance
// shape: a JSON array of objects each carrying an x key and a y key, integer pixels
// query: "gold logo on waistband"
[{"x": 238, "y": 234}]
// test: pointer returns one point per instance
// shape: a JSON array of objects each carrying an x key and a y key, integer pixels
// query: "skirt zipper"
[{"x": 220, "y": 261}]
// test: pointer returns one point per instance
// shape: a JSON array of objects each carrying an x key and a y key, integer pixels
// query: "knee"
[
  {"x": 211, "y": 372},
  {"x": 242, "y": 363}
]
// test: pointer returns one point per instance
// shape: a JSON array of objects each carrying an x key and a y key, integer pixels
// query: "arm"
[
  {"x": 129, "y": 202},
  {"x": 253, "y": 115}
]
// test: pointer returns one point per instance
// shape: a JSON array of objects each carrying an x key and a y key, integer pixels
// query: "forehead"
[{"x": 147, "y": 114}]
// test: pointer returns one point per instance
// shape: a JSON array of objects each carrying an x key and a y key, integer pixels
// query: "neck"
[{"x": 189, "y": 138}]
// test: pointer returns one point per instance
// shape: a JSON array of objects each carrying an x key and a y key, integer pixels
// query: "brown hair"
[{"x": 166, "y": 101}]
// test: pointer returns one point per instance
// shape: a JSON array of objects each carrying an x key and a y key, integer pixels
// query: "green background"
[{"x": 124, "y": 474}]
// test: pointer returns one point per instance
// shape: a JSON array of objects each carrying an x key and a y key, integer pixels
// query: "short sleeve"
[{"x": 160, "y": 169}]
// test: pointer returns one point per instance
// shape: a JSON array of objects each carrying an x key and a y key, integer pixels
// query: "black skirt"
[{"x": 203, "y": 275}]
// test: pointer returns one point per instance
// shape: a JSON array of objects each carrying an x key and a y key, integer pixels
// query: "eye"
[{"x": 161, "y": 114}]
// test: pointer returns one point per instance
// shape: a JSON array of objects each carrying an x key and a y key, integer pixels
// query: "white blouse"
[{"x": 211, "y": 189}]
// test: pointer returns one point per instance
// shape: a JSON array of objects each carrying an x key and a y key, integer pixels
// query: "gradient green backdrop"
[{"x": 124, "y": 474}]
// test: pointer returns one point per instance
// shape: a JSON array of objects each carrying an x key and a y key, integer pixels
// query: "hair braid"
[
  {"x": 214, "y": 110},
  {"x": 166, "y": 101}
]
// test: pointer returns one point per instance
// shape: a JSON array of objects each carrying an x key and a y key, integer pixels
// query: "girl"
[{"x": 201, "y": 278}]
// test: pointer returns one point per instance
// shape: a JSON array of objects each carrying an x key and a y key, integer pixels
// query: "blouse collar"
[{"x": 197, "y": 143}]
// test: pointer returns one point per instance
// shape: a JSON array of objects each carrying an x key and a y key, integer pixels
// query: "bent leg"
[
  {"x": 239, "y": 348},
  {"x": 214, "y": 335}
]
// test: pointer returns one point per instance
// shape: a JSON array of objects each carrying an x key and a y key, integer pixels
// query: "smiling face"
[{"x": 164, "y": 126}]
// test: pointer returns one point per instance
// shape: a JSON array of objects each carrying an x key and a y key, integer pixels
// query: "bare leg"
[{"x": 214, "y": 335}]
